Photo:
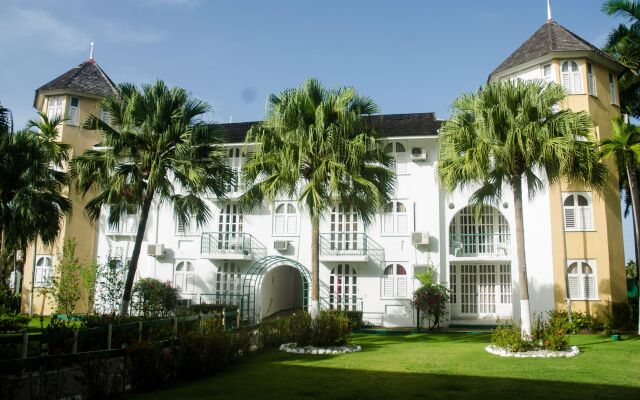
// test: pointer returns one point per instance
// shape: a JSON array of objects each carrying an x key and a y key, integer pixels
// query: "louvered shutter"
[
  {"x": 589, "y": 287},
  {"x": 189, "y": 282},
  {"x": 585, "y": 218},
  {"x": 38, "y": 277},
  {"x": 577, "y": 82},
  {"x": 179, "y": 279},
  {"x": 387, "y": 223},
  {"x": 402, "y": 223},
  {"x": 387, "y": 286},
  {"x": 401, "y": 286},
  {"x": 570, "y": 218},
  {"x": 401, "y": 163},
  {"x": 566, "y": 81},
  {"x": 291, "y": 224},
  {"x": 278, "y": 223},
  {"x": 574, "y": 286}
]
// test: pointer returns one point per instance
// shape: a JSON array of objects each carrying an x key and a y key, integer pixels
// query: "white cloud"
[{"x": 38, "y": 27}]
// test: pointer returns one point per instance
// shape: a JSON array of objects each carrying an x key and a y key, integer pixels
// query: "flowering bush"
[
  {"x": 154, "y": 298},
  {"x": 431, "y": 298}
]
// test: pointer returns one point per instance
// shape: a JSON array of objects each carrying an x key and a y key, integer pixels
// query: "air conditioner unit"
[
  {"x": 418, "y": 154},
  {"x": 280, "y": 245},
  {"x": 155, "y": 250},
  {"x": 418, "y": 238}
]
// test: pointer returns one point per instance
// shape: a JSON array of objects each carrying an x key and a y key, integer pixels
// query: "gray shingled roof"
[
  {"x": 392, "y": 125},
  {"x": 551, "y": 37},
  {"x": 87, "y": 78}
]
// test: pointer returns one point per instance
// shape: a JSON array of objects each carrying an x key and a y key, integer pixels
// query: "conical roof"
[
  {"x": 550, "y": 38},
  {"x": 86, "y": 78}
]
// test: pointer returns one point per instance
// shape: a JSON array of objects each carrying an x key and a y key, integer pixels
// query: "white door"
[
  {"x": 481, "y": 290},
  {"x": 344, "y": 228}
]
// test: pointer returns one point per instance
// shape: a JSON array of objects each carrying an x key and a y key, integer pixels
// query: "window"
[
  {"x": 581, "y": 280},
  {"x": 228, "y": 284},
  {"x": 285, "y": 220},
  {"x": 479, "y": 233},
  {"x": 394, "y": 281},
  {"x": 612, "y": 89},
  {"x": 399, "y": 154},
  {"x": 44, "y": 267},
  {"x": 571, "y": 80},
  {"x": 54, "y": 107},
  {"x": 547, "y": 73},
  {"x": 395, "y": 219},
  {"x": 343, "y": 288},
  {"x": 344, "y": 228},
  {"x": 74, "y": 114},
  {"x": 230, "y": 228},
  {"x": 184, "y": 277},
  {"x": 578, "y": 214},
  {"x": 189, "y": 228},
  {"x": 128, "y": 224},
  {"x": 591, "y": 80},
  {"x": 235, "y": 161},
  {"x": 105, "y": 116}
]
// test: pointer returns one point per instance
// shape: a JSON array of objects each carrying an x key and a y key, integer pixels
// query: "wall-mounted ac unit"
[
  {"x": 418, "y": 238},
  {"x": 155, "y": 250},
  {"x": 280, "y": 245},
  {"x": 418, "y": 154}
]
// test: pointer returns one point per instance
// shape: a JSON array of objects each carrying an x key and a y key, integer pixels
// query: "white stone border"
[
  {"x": 293, "y": 348},
  {"x": 502, "y": 352}
]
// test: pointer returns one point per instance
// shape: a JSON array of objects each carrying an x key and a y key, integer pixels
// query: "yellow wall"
[
  {"x": 604, "y": 244},
  {"x": 77, "y": 225}
]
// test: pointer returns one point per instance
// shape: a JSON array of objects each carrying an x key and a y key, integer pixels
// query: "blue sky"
[{"x": 409, "y": 56}]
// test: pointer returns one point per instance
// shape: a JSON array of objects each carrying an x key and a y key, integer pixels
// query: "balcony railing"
[
  {"x": 349, "y": 246},
  {"x": 343, "y": 302},
  {"x": 230, "y": 246},
  {"x": 480, "y": 245}
]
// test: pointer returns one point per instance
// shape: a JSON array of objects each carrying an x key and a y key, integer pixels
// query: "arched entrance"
[{"x": 283, "y": 268}]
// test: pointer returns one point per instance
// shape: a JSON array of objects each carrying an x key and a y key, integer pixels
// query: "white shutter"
[
  {"x": 569, "y": 218},
  {"x": 38, "y": 277},
  {"x": 387, "y": 286},
  {"x": 401, "y": 163},
  {"x": 387, "y": 223},
  {"x": 278, "y": 223},
  {"x": 401, "y": 286},
  {"x": 577, "y": 82},
  {"x": 574, "y": 286},
  {"x": 179, "y": 280},
  {"x": 589, "y": 287},
  {"x": 584, "y": 218},
  {"x": 292, "y": 222},
  {"x": 566, "y": 82},
  {"x": 402, "y": 223},
  {"x": 189, "y": 282}
]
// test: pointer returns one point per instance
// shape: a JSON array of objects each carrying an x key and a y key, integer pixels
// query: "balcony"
[
  {"x": 230, "y": 246},
  {"x": 349, "y": 247},
  {"x": 489, "y": 245}
]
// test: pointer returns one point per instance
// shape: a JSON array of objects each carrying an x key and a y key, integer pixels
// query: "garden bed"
[
  {"x": 537, "y": 353},
  {"x": 293, "y": 348}
]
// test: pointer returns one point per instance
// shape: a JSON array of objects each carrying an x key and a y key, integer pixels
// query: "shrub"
[
  {"x": 211, "y": 308},
  {"x": 331, "y": 328},
  {"x": 154, "y": 298},
  {"x": 9, "y": 301},
  {"x": 13, "y": 322},
  {"x": 509, "y": 336},
  {"x": 432, "y": 299},
  {"x": 102, "y": 378},
  {"x": 580, "y": 322},
  {"x": 149, "y": 365},
  {"x": 622, "y": 317}
]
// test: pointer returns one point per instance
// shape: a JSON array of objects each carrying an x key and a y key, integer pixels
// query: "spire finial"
[
  {"x": 549, "y": 17},
  {"x": 91, "y": 52}
]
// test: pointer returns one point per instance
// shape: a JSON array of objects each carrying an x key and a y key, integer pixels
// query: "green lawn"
[{"x": 426, "y": 366}]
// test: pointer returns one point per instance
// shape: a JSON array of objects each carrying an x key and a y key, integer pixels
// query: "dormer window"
[
  {"x": 570, "y": 77},
  {"x": 54, "y": 107},
  {"x": 547, "y": 73},
  {"x": 74, "y": 113},
  {"x": 591, "y": 80}
]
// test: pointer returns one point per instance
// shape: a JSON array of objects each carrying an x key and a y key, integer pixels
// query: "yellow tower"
[
  {"x": 75, "y": 95},
  {"x": 586, "y": 234}
]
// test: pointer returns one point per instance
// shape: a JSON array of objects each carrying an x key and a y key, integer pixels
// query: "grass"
[{"x": 426, "y": 366}]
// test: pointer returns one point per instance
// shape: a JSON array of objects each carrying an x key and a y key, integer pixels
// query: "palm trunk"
[
  {"x": 314, "y": 307},
  {"x": 525, "y": 315},
  {"x": 632, "y": 173},
  {"x": 142, "y": 225},
  {"x": 2, "y": 259}
]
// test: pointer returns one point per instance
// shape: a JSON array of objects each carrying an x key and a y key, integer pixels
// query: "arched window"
[
  {"x": 285, "y": 219},
  {"x": 570, "y": 77},
  {"x": 479, "y": 234},
  {"x": 228, "y": 283},
  {"x": 343, "y": 288},
  {"x": 184, "y": 277},
  {"x": 394, "y": 281},
  {"x": 395, "y": 219},
  {"x": 44, "y": 267},
  {"x": 578, "y": 213},
  {"x": 581, "y": 281},
  {"x": 399, "y": 154}
]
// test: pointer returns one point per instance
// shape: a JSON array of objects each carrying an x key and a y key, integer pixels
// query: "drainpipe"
[{"x": 564, "y": 250}]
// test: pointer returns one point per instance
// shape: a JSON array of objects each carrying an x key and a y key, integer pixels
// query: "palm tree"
[
  {"x": 155, "y": 146},
  {"x": 510, "y": 134},
  {"x": 316, "y": 145},
  {"x": 624, "y": 145},
  {"x": 6, "y": 122},
  {"x": 624, "y": 44},
  {"x": 31, "y": 183}
]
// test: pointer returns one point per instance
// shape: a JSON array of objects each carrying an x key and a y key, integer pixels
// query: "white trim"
[
  {"x": 581, "y": 279},
  {"x": 582, "y": 216}
]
